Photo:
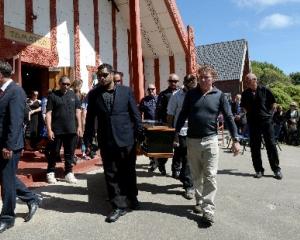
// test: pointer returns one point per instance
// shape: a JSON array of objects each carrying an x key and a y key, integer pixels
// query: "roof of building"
[{"x": 226, "y": 57}]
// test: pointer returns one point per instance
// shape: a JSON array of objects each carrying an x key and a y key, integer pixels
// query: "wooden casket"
[{"x": 158, "y": 141}]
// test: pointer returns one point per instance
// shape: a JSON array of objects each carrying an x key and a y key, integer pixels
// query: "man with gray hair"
[{"x": 259, "y": 102}]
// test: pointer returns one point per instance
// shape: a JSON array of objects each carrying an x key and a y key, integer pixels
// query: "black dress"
[{"x": 33, "y": 128}]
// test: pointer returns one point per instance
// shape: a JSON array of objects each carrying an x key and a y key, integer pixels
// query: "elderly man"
[
  {"x": 147, "y": 107},
  {"x": 258, "y": 101},
  {"x": 202, "y": 106}
]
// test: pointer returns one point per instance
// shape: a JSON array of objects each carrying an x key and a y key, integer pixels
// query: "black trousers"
[
  {"x": 120, "y": 174},
  {"x": 264, "y": 129},
  {"x": 180, "y": 156},
  {"x": 68, "y": 141},
  {"x": 12, "y": 187}
]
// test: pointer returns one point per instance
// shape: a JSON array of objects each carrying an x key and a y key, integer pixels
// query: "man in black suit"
[
  {"x": 119, "y": 123},
  {"x": 12, "y": 109}
]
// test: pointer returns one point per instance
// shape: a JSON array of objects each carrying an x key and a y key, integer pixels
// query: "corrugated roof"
[{"x": 226, "y": 57}]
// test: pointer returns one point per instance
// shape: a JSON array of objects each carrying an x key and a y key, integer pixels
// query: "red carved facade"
[
  {"x": 187, "y": 40},
  {"x": 30, "y": 54},
  {"x": 29, "y": 16},
  {"x": 96, "y": 31},
  {"x": 76, "y": 39}
]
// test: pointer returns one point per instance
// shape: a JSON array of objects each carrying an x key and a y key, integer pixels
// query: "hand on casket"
[{"x": 176, "y": 140}]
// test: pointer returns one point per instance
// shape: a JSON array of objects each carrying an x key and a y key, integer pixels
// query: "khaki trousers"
[{"x": 203, "y": 157}]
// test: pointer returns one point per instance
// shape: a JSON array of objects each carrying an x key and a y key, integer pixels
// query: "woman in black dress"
[{"x": 33, "y": 128}]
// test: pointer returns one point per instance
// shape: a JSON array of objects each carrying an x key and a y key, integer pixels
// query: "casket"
[{"x": 158, "y": 141}]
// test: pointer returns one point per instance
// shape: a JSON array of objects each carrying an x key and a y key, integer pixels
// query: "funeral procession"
[{"x": 149, "y": 119}]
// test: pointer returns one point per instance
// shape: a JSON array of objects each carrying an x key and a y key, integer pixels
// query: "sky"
[{"x": 271, "y": 27}]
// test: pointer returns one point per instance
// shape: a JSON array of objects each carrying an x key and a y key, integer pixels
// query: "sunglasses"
[
  {"x": 103, "y": 75},
  {"x": 173, "y": 81},
  {"x": 151, "y": 89},
  {"x": 65, "y": 84}
]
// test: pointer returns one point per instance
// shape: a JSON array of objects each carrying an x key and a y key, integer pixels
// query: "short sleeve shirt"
[{"x": 63, "y": 107}]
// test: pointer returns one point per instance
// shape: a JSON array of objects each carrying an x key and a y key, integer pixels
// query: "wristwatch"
[{"x": 235, "y": 139}]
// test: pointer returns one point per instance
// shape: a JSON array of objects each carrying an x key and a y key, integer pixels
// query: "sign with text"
[{"x": 18, "y": 35}]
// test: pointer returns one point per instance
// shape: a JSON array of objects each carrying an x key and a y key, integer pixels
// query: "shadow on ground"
[{"x": 97, "y": 198}]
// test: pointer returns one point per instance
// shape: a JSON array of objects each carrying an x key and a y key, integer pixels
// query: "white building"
[{"x": 45, "y": 39}]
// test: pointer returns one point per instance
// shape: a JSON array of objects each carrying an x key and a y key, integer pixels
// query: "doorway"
[{"x": 35, "y": 78}]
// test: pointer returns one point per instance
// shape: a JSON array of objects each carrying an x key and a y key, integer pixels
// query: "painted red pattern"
[
  {"x": 157, "y": 74},
  {"x": 1, "y": 19},
  {"x": 129, "y": 58},
  {"x": 178, "y": 24},
  {"x": 136, "y": 49},
  {"x": 30, "y": 54},
  {"x": 192, "y": 50},
  {"x": 114, "y": 36},
  {"x": 172, "y": 64},
  {"x": 93, "y": 69},
  {"x": 76, "y": 39},
  {"x": 96, "y": 30},
  {"x": 29, "y": 15}
]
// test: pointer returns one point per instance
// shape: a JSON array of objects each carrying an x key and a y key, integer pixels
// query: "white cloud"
[
  {"x": 277, "y": 21},
  {"x": 262, "y": 3}
]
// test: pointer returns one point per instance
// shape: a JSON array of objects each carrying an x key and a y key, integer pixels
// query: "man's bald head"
[
  {"x": 173, "y": 80},
  {"x": 251, "y": 81},
  {"x": 151, "y": 89}
]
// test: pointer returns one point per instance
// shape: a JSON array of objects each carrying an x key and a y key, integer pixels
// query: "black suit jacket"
[
  {"x": 122, "y": 123},
  {"x": 12, "y": 108}
]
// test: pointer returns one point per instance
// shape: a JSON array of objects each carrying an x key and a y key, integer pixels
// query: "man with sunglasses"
[
  {"x": 180, "y": 151},
  {"x": 161, "y": 116},
  {"x": 63, "y": 121},
  {"x": 118, "y": 78},
  {"x": 119, "y": 124}
]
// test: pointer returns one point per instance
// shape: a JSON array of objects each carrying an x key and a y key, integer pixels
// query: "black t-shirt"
[
  {"x": 162, "y": 104},
  {"x": 258, "y": 104},
  {"x": 63, "y": 107},
  {"x": 108, "y": 97}
]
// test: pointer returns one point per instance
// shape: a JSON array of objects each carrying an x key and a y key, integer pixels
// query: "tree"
[
  {"x": 295, "y": 78},
  {"x": 268, "y": 73},
  {"x": 283, "y": 86}
]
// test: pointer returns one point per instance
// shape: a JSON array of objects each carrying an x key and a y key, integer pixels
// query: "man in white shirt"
[{"x": 180, "y": 151}]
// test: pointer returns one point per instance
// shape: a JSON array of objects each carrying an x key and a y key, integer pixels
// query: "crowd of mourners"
[{"x": 108, "y": 119}]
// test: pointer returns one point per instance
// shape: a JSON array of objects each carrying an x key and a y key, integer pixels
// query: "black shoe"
[
  {"x": 115, "y": 214},
  {"x": 258, "y": 174},
  {"x": 176, "y": 174},
  {"x": 278, "y": 175},
  {"x": 208, "y": 218},
  {"x": 189, "y": 193},
  {"x": 5, "y": 225},
  {"x": 162, "y": 170},
  {"x": 134, "y": 204},
  {"x": 33, "y": 206}
]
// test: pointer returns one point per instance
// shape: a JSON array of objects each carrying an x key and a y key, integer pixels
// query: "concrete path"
[{"x": 247, "y": 208}]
